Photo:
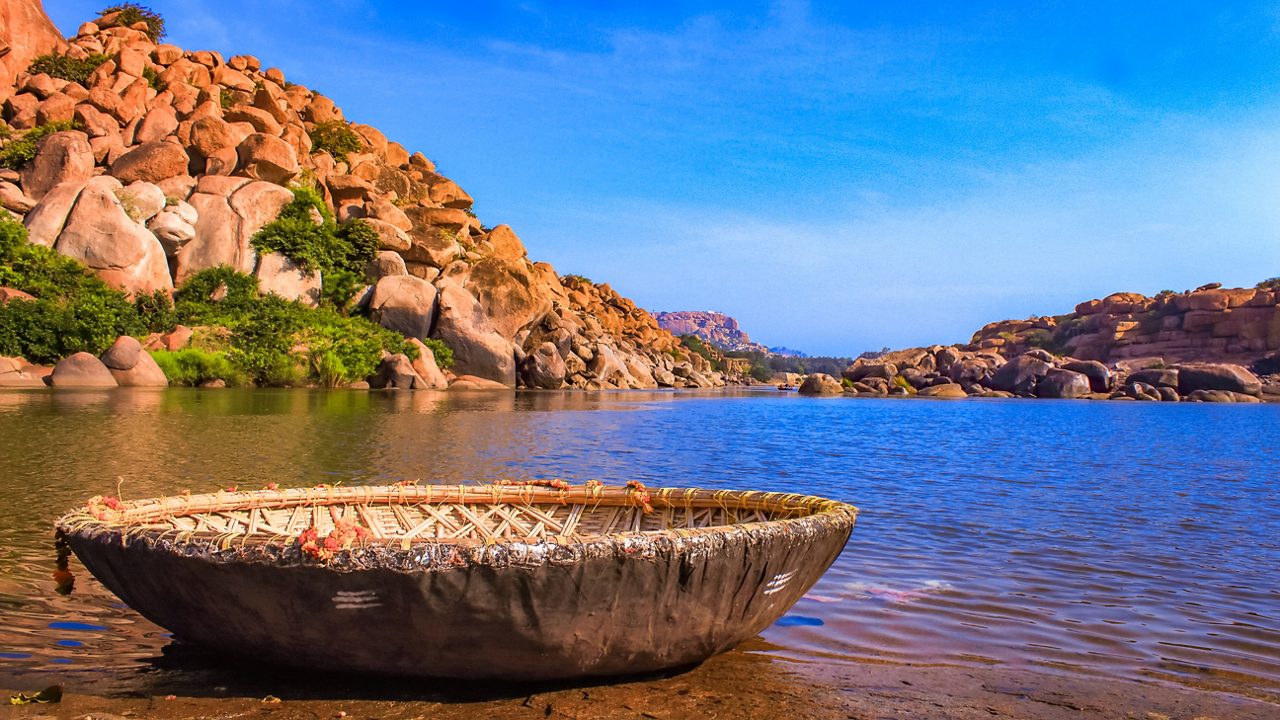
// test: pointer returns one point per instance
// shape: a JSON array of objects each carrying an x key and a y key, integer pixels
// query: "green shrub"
[
  {"x": 325, "y": 246},
  {"x": 21, "y": 150},
  {"x": 73, "y": 310},
  {"x": 131, "y": 13},
  {"x": 156, "y": 311},
  {"x": 192, "y": 366},
  {"x": 153, "y": 79},
  {"x": 66, "y": 67},
  {"x": 265, "y": 331},
  {"x": 336, "y": 138},
  {"x": 441, "y": 352},
  {"x": 226, "y": 98},
  {"x": 1269, "y": 284},
  {"x": 577, "y": 278}
]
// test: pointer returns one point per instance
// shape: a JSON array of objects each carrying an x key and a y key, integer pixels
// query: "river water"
[{"x": 1131, "y": 540}]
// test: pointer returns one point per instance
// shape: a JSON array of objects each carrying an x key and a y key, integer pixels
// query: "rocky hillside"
[
  {"x": 715, "y": 328},
  {"x": 149, "y": 163},
  {"x": 1209, "y": 324}
]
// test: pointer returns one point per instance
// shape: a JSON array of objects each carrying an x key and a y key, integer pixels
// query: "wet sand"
[{"x": 739, "y": 684}]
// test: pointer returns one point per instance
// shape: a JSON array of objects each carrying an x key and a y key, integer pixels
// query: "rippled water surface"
[{"x": 1123, "y": 539}]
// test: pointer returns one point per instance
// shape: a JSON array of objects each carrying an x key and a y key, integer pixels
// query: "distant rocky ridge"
[
  {"x": 1212, "y": 344},
  {"x": 712, "y": 327},
  {"x": 178, "y": 157}
]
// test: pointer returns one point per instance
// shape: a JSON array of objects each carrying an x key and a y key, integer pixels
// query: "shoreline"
[{"x": 742, "y": 683}]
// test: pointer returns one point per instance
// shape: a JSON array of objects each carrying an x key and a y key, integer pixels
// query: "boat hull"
[{"x": 522, "y": 611}]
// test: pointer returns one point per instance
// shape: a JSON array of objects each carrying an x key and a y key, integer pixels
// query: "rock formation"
[
  {"x": 176, "y": 158},
  {"x": 714, "y": 328},
  {"x": 1209, "y": 324}
]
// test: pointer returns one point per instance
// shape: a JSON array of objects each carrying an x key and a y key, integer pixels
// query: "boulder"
[
  {"x": 1100, "y": 376},
  {"x": 426, "y": 367},
  {"x": 131, "y": 366},
  {"x": 26, "y": 32},
  {"x": 385, "y": 264},
  {"x": 81, "y": 370},
  {"x": 396, "y": 372},
  {"x": 266, "y": 157},
  {"x": 509, "y": 295},
  {"x": 950, "y": 391},
  {"x": 102, "y": 236},
  {"x": 46, "y": 220},
  {"x": 1157, "y": 377},
  {"x": 609, "y": 368},
  {"x": 151, "y": 162},
  {"x": 1062, "y": 383},
  {"x": 281, "y": 276},
  {"x": 543, "y": 368},
  {"x": 477, "y": 348},
  {"x": 504, "y": 244},
  {"x": 1020, "y": 375},
  {"x": 62, "y": 157},
  {"x": 472, "y": 382},
  {"x": 428, "y": 243},
  {"x": 172, "y": 229},
  {"x": 861, "y": 370},
  {"x": 1217, "y": 376},
  {"x": 405, "y": 304},
  {"x": 821, "y": 384},
  {"x": 13, "y": 199}
]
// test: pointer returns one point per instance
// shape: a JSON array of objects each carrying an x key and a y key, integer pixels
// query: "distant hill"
[
  {"x": 712, "y": 327},
  {"x": 787, "y": 352}
]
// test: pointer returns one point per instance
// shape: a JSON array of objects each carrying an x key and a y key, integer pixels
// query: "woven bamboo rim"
[{"x": 448, "y": 514}]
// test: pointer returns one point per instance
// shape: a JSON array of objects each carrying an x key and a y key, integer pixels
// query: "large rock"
[
  {"x": 81, "y": 370},
  {"x": 1020, "y": 375},
  {"x": 26, "y": 33},
  {"x": 151, "y": 162},
  {"x": 131, "y": 366},
  {"x": 509, "y": 294},
  {"x": 430, "y": 244},
  {"x": 1157, "y": 377},
  {"x": 472, "y": 382},
  {"x": 266, "y": 157},
  {"x": 1223, "y": 376},
  {"x": 820, "y": 384},
  {"x": 1061, "y": 383},
  {"x": 405, "y": 304},
  {"x": 281, "y": 276},
  {"x": 229, "y": 211},
  {"x": 46, "y": 220},
  {"x": 1100, "y": 376},
  {"x": 543, "y": 368},
  {"x": 396, "y": 372},
  {"x": 477, "y": 348},
  {"x": 63, "y": 157},
  {"x": 102, "y": 236},
  {"x": 425, "y": 365},
  {"x": 948, "y": 391}
]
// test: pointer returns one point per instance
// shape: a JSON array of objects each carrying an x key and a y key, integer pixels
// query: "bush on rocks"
[
  {"x": 66, "y": 67},
  {"x": 73, "y": 311},
  {"x": 336, "y": 138},
  {"x": 306, "y": 233},
  {"x": 18, "y": 151},
  {"x": 132, "y": 13},
  {"x": 193, "y": 367}
]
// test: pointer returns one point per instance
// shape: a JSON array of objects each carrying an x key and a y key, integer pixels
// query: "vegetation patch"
[
  {"x": 66, "y": 67},
  {"x": 132, "y": 13},
  {"x": 306, "y": 233},
  {"x": 73, "y": 310},
  {"x": 192, "y": 367},
  {"x": 441, "y": 352},
  {"x": 19, "y": 151},
  {"x": 257, "y": 338},
  {"x": 336, "y": 138},
  {"x": 1269, "y": 284},
  {"x": 153, "y": 79}
]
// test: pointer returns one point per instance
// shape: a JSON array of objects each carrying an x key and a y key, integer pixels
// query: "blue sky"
[{"x": 838, "y": 176}]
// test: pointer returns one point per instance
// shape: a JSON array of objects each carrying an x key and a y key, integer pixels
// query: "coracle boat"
[{"x": 528, "y": 581}]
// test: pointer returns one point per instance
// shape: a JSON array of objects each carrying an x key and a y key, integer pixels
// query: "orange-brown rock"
[
  {"x": 26, "y": 32},
  {"x": 151, "y": 162}
]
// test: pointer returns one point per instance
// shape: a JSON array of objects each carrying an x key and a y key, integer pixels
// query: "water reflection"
[{"x": 1089, "y": 538}]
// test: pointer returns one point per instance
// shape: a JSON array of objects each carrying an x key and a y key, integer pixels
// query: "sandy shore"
[{"x": 739, "y": 684}]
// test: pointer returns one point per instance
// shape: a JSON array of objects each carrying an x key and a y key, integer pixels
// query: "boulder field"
[
  {"x": 951, "y": 372},
  {"x": 175, "y": 158}
]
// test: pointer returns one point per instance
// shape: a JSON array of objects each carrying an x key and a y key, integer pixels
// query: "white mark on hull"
[
  {"x": 356, "y": 600},
  {"x": 778, "y": 583}
]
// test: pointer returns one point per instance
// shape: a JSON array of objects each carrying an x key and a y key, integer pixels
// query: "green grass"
[{"x": 192, "y": 367}]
